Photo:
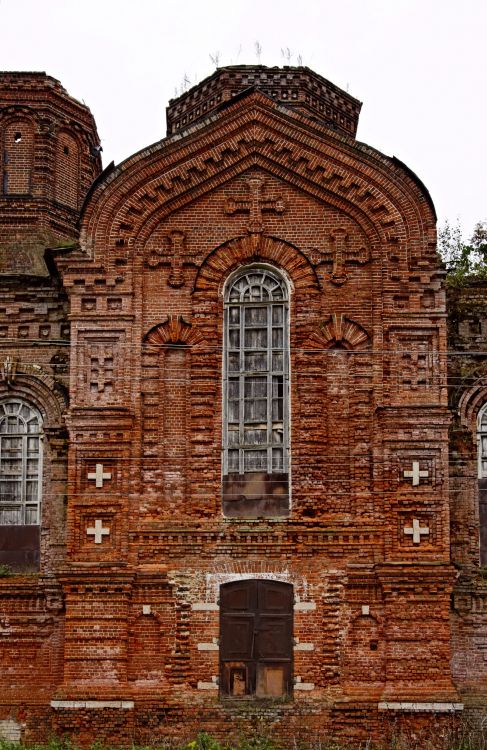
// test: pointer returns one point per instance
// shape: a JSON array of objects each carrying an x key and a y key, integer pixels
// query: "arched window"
[
  {"x": 20, "y": 463},
  {"x": 18, "y": 155},
  {"x": 256, "y": 394},
  {"x": 67, "y": 170},
  {"x": 482, "y": 469}
]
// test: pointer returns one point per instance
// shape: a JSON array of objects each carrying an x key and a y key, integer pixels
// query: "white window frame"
[
  {"x": 232, "y": 281},
  {"x": 28, "y": 509}
]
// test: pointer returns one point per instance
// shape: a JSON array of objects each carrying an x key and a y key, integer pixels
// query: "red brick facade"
[{"x": 132, "y": 627}]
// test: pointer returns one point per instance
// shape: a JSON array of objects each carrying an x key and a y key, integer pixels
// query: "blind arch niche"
[{"x": 256, "y": 394}]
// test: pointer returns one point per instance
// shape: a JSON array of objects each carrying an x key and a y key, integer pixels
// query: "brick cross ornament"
[
  {"x": 98, "y": 531},
  {"x": 339, "y": 253},
  {"x": 254, "y": 205},
  {"x": 415, "y": 474},
  {"x": 173, "y": 254},
  {"x": 99, "y": 475},
  {"x": 416, "y": 531}
]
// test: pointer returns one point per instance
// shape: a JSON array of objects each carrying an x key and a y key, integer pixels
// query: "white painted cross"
[
  {"x": 415, "y": 474},
  {"x": 98, "y": 531},
  {"x": 99, "y": 475},
  {"x": 416, "y": 531}
]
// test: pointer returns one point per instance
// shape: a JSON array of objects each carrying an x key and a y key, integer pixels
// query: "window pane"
[
  {"x": 31, "y": 515},
  {"x": 255, "y": 410},
  {"x": 255, "y": 460},
  {"x": 233, "y": 362},
  {"x": 233, "y": 388},
  {"x": 10, "y": 491},
  {"x": 277, "y": 362},
  {"x": 255, "y": 436},
  {"x": 255, "y": 361},
  {"x": 256, "y": 338},
  {"x": 32, "y": 444},
  {"x": 233, "y": 411},
  {"x": 277, "y": 459},
  {"x": 277, "y": 338},
  {"x": 255, "y": 316},
  {"x": 277, "y": 386},
  {"x": 234, "y": 315},
  {"x": 233, "y": 436},
  {"x": 11, "y": 444},
  {"x": 10, "y": 466},
  {"x": 234, "y": 338},
  {"x": 233, "y": 461},
  {"x": 10, "y": 516},
  {"x": 277, "y": 315},
  {"x": 277, "y": 435},
  {"x": 277, "y": 409},
  {"x": 31, "y": 489},
  {"x": 255, "y": 387}
]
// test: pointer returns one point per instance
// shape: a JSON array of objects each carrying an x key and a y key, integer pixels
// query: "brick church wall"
[{"x": 129, "y": 601}]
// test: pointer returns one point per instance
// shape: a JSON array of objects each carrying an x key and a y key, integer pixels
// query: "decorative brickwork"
[{"x": 353, "y": 580}]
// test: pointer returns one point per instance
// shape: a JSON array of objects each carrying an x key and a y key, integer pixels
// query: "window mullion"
[
  {"x": 23, "y": 489},
  {"x": 241, "y": 391},
  {"x": 269, "y": 388},
  {"x": 286, "y": 374}
]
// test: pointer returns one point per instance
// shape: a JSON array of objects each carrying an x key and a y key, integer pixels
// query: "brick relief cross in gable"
[
  {"x": 341, "y": 252},
  {"x": 255, "y": 205},
  {"x": 173, "y": 253}
]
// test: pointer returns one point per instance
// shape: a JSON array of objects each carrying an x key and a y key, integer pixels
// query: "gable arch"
[
  {"x": 152, "y": 211},
  {"x": 371, "y": 188},
  {"x": 226, "y": 258}
]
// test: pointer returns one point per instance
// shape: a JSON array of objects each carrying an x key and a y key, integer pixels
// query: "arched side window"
[
  {"x": 482, "y": 474},
  {"x": 20, "y": 464},
  {"x": 256, "y": 395},
  {"x": 67, "y": 170},
  {"x": 18, "y": 156},
  {"x": 482, "y": 442}
]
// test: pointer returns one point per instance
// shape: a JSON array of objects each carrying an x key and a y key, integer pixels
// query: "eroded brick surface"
[{"x": 123, "y": 624}]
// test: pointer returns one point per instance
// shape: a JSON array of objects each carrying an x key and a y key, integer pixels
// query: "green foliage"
[
  {"x": 463, "y": 261},
  {"x": 464, "y": 737},
  {"x": 5, "y": 571}
]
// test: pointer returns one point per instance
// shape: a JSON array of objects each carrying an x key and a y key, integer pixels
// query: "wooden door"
[{"x": 256, "y": 642}]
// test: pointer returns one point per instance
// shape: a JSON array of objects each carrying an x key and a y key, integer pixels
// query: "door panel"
[
  {"x": 274, "y": 637},
  {"x": 237, "y": 636}
]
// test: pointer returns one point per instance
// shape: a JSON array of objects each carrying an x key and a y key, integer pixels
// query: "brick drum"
[{"x": 337, "y": 595}]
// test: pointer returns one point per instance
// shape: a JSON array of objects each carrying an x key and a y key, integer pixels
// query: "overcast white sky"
[{"x": 418, "y": 66}]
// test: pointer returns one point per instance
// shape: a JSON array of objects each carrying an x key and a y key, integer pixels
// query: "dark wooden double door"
[{"x": 256, "y": 638}]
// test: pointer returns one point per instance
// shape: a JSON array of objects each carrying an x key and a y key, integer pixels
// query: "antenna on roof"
[
  {"x": 286, "y": 54},
  {"x": 258, "y": 51},
  {"x": 215, "y": 58}
]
